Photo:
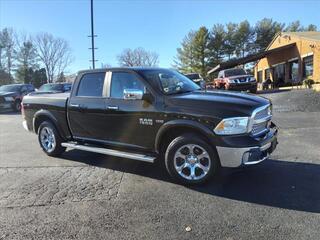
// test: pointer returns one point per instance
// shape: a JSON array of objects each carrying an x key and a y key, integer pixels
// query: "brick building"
[{"x": 292, "y": 57}]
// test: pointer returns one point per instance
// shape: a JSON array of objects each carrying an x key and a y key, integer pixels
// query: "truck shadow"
[{"x": 275, "y": 183}]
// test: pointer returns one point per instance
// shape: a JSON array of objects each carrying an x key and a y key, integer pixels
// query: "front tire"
[
  {"x": 50, "y": 140},
  {"x": 190, "y": 160}
]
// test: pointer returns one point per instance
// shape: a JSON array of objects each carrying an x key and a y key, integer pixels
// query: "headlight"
[
  {"x": 230, "y": 126},
  {"x": 232, "y": 81},
  {"x": 8, "y": 99},
  {"x": 252, "y": 79}
]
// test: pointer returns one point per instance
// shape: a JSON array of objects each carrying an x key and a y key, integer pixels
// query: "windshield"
[
  {"x": 10, "y": 88},
  {"x": 234, "y": 72},
  {"x": 51, "y": 87},
  {"x": 171, "y": 82}
]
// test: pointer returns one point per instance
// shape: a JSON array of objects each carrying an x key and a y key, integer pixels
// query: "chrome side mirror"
[{"x": 132, "y": 94}]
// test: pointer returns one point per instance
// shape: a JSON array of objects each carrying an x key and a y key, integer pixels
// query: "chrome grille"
[
  {"x": 260, "y": 120},
  {"x": 258, "y": 128},
  {"x": 262, "y": 114}
]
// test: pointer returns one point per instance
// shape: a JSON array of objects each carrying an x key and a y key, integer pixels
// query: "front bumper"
[
  {"x": 242, "y": 86},
  {"x": 236, "y": 157}
]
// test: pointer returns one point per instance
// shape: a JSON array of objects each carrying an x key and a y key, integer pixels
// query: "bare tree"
[
  {"x": 54, "y": 54},
  {"x": 137, "y": 57}
]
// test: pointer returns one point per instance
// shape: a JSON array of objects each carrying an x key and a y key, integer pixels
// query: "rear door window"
[{"x": 91, "y": 85}]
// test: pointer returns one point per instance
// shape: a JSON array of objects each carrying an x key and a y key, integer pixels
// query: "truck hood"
[{"x": 217, "y": 104}]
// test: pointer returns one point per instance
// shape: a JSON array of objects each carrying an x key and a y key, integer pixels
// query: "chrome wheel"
[
  {"x": 47, "y": 139},
  {"x": 192, "y": 162}
]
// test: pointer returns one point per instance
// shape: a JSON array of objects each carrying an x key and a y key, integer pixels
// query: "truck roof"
[{"x": 119, "y": 68}]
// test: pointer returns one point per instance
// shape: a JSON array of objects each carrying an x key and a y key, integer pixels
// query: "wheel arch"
[
  {"x": 45, "y": 115},
  {"x": 174, "y": 128}
]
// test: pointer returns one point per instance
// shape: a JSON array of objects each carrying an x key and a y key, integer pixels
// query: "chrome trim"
[
  {"x": 265, "y": 147},
  {"x": 132, "y": 94},
  {"x": 262, "y": 120},
  {"x": 256, "y": 162},
  {"x": 116, "y": 153},
  {"x": 233, "y": 157},
  {"x": 74, "y": 105},
  {"x": 252, "y": 121},
  {"x": 112, "y": 107}
]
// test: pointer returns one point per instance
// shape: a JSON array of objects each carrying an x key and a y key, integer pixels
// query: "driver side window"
[{"x": 123, "y": 80}]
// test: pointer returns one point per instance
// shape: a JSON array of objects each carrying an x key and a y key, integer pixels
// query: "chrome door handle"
[
  {"x": 74, "y": 105},
  {"x": 112, "y": 108}
]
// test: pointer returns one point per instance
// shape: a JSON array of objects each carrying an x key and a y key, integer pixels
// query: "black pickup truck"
[{"x": 150, "y": 114}]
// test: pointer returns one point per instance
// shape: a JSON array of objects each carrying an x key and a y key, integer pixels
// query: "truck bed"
[{"x": 52, "y": 103}]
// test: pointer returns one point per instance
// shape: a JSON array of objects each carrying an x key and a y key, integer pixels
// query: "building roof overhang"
[{"x": 250, "y": 58}]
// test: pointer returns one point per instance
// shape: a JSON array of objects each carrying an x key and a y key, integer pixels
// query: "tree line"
[
  {"x": 34, "y": 59},
  {"x": 203, "y": 49}
]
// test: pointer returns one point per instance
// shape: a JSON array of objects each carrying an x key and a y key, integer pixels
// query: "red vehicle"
[
  {"x": 11, "y": 95},
  {"x": 235, "y": 79}
]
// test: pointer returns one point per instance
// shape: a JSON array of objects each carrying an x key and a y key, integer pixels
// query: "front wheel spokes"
[
  {"x": 192, "y": 172},
  {"x": 191, "y": 148},
  {"x": 181, "y": 167},
  {"x": 205, "y": 169}
]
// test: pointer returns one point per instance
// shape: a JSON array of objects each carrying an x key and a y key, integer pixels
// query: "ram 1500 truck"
[{"x": 150, "y": 114}]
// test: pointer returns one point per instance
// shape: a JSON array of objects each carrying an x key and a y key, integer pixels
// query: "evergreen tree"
[
  {"x": 230, "y": 40},
  {"x": 311, "y": 27},
  {"x": 185, "y": 58},
  {"x": 194, "y": 56},
  {"x": 26, "y": 61},
  {"x": 265, "y": 31},
  {"x": 5, "y": 77},
  {"x": 39, "y": 77},
  {"x": 244, "y": 38},
  {"x": 217, "y": 44},
  {"x": 61, "y": 77},
  {"x": 7, "y": 50},
  {"x": 295, "y": 27}
]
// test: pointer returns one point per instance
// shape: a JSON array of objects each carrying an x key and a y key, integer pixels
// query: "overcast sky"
[{"x": 155, "y": 25}]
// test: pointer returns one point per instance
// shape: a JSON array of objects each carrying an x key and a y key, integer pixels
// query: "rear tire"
[
  {"x": 17, "y": 106},
  {"x": 190, "y": 160},
  {"x": 50, "y": 140}
]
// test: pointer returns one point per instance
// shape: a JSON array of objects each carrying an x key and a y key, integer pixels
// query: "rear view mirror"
[{"x": 132, "y": 94}]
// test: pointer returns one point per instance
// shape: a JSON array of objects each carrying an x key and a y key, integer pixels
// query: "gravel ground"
[
  {"x": 295, "y": 100},
  {"x": 90, "y": 196}
]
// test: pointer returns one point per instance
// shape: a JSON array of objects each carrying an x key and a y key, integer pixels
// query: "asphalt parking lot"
[{"x": 91, "y": 196}]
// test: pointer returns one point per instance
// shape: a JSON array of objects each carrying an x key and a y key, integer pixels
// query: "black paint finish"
[{"x": 140, "y": 124}]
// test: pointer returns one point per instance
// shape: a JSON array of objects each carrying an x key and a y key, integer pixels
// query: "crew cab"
[
  {"x": 11, "y": 95},
  {"x": 235, "y": 79},
  {"x": 154, "y": 114}
]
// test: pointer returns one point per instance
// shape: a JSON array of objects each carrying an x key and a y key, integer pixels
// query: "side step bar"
[{"x": 116, "y": 153}]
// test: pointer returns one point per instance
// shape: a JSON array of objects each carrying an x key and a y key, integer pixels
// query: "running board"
[{"x": 116, "y": 153}]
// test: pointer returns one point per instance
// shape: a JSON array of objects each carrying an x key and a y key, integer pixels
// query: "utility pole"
[{"x": 93, "y": 60}]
